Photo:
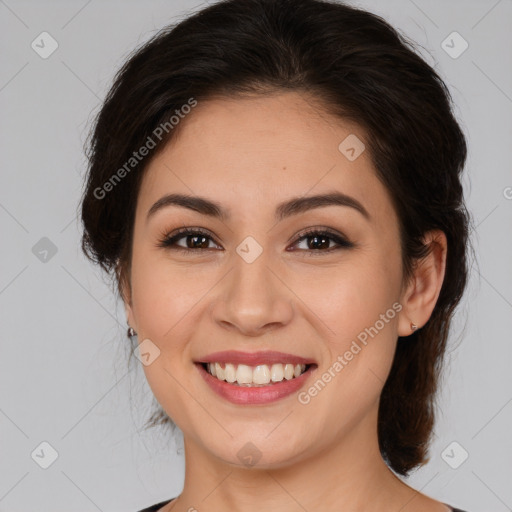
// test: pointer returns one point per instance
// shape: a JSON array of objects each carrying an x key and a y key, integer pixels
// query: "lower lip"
[{"x": 244, "y": 395}]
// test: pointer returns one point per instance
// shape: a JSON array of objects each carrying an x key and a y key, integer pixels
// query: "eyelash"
[{"x": 169, "y": 241}]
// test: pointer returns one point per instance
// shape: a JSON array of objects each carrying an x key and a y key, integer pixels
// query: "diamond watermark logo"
[
  {"x": 146, "y": 352},
  {"x": 44, "y": 45},
  {"x": 249, "y": 454},
  {"x": 249, "y": 250},
  {"x": 454, "y": 455},
  {"x": 351, "y": 147},
  {"x": 44, "y": 250},
  {"x": 454, "y": 45},
  {"x": 44, "y": 455}
]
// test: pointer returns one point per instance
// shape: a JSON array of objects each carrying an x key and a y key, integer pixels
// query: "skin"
[{"x": 249, "y": 155}]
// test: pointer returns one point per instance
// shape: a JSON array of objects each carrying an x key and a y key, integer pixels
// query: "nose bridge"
[
  {"x": 252, "y": 278},
  {"x": 253, "y": 298}
]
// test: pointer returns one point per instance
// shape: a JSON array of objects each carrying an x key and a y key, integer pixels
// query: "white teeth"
[
  {"x": 219, "y": 371},
  {"x": 288, "y": 371},
  {"x": 260, "y": 375},
  {"x": 277, "y": 373},
  {"x": 244, "y": 374},
  {"x": 230, "y": 373}
]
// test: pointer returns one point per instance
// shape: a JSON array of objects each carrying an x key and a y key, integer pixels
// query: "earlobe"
[{"x": 420, "y": 297}]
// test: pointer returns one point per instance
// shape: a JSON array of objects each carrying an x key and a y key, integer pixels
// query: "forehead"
[{"x": 261, "y": 149}]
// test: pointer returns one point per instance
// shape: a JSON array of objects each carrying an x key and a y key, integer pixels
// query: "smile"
[{"x": 253, "y": 376}]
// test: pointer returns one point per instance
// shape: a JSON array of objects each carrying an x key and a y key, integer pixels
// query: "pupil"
[
  {"x": 201, "y": 245},
  {"x": 324, "y": 242}
]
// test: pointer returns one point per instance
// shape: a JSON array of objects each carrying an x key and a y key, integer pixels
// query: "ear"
[
  {"x": 130, "y": 319},
  {"x": 126, "y": 294},
  {"x": 420, "y": 296}
]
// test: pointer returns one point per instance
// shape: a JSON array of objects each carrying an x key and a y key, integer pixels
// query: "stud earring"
[
  {"x": 414, "y": 326},
  {"x": 131, "y": 332}
]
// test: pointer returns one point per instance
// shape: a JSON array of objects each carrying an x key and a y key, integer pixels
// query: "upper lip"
[{"x": 254, "y": 358}]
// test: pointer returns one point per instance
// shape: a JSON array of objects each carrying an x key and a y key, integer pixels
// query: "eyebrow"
[{"x": 286, "y": 209}]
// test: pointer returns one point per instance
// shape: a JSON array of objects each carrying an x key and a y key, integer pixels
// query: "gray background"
[{"x": 63, "y": 372}]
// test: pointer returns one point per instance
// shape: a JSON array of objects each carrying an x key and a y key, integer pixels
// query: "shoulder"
[{"x": 156, "y": 507}]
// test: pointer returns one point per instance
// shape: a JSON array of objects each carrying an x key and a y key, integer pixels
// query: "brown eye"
[
  {"x": 195, "y": 239},
  {"x": 320, "y": 241}
]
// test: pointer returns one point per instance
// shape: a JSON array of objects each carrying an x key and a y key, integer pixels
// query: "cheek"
[
  {"x": 360, "y": 309},
  {"x": 164, "y": 294},
  {"x": 349, "y": 297},
  {"x": 165, "y": 300},
  {"x": 358, "y": 305}
]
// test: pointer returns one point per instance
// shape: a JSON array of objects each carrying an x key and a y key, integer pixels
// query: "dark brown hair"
[{"x": 355, "y": 66}]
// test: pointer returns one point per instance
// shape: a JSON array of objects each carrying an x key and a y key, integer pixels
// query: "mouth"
[{"x": 254, "y": 378}]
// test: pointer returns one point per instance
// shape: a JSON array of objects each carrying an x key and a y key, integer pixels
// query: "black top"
[{"x": 155, "y": 507}]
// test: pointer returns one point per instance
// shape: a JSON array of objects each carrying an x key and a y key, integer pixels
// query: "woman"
[{"x": 275, "y": 185}]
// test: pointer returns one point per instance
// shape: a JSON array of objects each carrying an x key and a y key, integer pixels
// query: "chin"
[{"x": 258, "y": 451}]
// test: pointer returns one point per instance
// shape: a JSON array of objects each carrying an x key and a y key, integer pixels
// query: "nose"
[{"x": 253, "y": 298}]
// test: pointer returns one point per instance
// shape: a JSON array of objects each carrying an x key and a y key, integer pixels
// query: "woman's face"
[{"x": 251, "y": 281}]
